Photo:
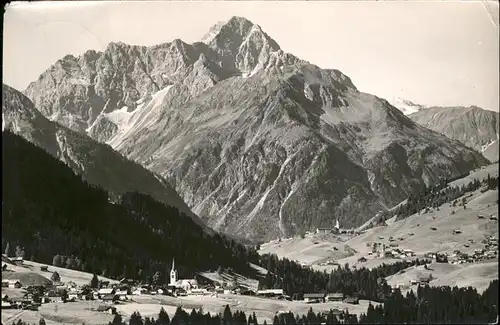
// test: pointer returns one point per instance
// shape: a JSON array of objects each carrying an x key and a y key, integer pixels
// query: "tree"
[
  {"x": 41, "y": 322},
  {"x": 117, "y": 320},
  {"x": 136, "y": 319},
  {"x": 56, "y": 261},
  {"x": 94, "y": 283},
  {"x": 55, "y": 277},
  {"x": 163, "y": 318},
  {"x": 19, "y": 251},
  {"x": 227, "y": 316},
  {"x": 70, "y": 262},
  {"x": 7, "y": 250},
  {"x": 156, "y": 278}
]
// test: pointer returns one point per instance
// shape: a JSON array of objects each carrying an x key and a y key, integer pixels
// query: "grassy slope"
[{"x": 423, "y": 240}]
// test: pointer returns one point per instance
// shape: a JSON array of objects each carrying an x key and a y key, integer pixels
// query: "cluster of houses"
[
  {"x": 489, "y": 251},
  {"x": 381, "y": 250}
]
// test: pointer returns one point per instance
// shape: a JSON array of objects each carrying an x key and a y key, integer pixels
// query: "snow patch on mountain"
[
  {"x": 407, "y": 106},
  {"x": 144, "y": 116}
]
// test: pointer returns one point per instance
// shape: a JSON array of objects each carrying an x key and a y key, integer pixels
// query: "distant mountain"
[
  {"x": 54, "y": 214},
  {"x": 406, "y": 106},
  {"x": 98, "y": 163},
  {"x": 258, "y": 143},
  {"x": 473, "y": 126}
]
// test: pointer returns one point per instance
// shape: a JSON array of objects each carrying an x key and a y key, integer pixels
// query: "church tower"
[{"x": 173, "y": 273}]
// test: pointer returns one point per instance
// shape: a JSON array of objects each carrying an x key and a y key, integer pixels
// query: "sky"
[{"x": 442, "y": 53}]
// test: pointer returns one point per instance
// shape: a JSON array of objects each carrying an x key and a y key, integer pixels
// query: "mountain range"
[
  {"x": 475, "y": 127},
  {"x": 257, "y": 142}
]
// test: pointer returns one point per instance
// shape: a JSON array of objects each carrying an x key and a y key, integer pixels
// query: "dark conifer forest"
[
  {"x": 362, "y": 282},
  {"x": 54, "y": 215}
]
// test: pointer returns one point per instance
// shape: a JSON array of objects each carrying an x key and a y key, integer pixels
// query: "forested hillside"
[
  {"x": 434, "y": 196},
  {"x": 50, "y": 211}
]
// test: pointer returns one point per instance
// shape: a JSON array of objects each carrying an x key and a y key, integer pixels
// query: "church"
[{"x": 176, "y": 283}]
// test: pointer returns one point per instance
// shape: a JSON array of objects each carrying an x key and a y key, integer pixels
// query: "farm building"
[
  {"x": 270, "y": 292},
  {"x": 139, "y": 291},
  {"x": 17, "y": 260},
  {"x": 106, "y": 309},
  {"x": 6, "y": 305},
  {"x": 44, "y": 268},
  {"x": 106, "y": 291},
  {"x": 323, "y": 230},
  {"x": 337, "y": 296},
  {"x": 53, "y": 296},
  {"x": 314, "y": 297},
  {"x": 13, "y": 284},
  {"x": 73, "y": 296},
  {"x": 110, "y": 298},
  {"x": 352, "y": 300}
]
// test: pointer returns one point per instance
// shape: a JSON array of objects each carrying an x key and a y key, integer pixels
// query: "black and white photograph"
[{"x": 250, "y": 162}]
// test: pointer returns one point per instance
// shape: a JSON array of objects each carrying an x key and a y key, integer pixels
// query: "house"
[
  {"x": 323, "y": 230},
  {"x": 53, "y": 296},
  {"x": 7, "y": 305},
  {"x": 493, "y": 217},
  {"x": 314, "y": 297},
  {"x": 457, "y": 231},
  {"x": 139, "y": 291},
  {"x": 362, "y": 259},
  {"x": 480, "y": 216},
  {"x": 424, "y": 280},
  {"x": 5, "y": 283},
  {"x": 106, "y": 291},
  {"x": 337, "y": 296},
  {"x": 73, "y": 296},
  {"x": 17, "y": 260},
  {"x": 122, "y": 295},
  {"x": 110, "y": 298},
  {"x": 107, "y": 309},
  {"x": 4, "y": 266},
  {"x": 14, "y": 284},
  {"x": 352, "y": 300},
  {"x": 103, "y": 284},
  {"x": 44, "y": 268}
]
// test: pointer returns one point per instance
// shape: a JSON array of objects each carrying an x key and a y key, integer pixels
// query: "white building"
[{"x": 185, "y": 284}]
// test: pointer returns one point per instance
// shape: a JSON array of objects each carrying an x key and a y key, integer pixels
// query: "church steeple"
[{"x": 173, "y": 273}]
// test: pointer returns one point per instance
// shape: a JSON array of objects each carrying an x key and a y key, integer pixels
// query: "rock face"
[
  {"x": 98, "y": 163},
  {"x": 473, "y": 126},
  {"x": 258, "y": 143}
]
